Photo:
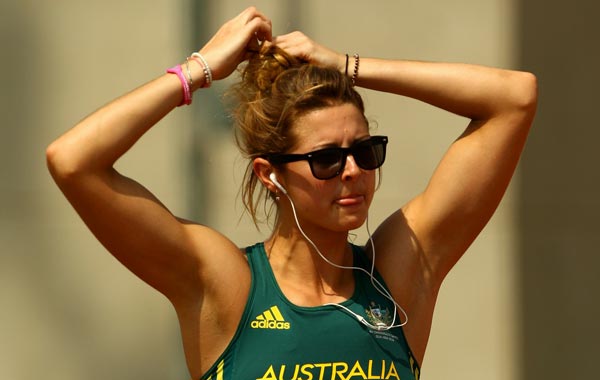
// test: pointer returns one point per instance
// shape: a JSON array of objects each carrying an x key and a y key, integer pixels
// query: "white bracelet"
[{"x": 207, "y": 72}]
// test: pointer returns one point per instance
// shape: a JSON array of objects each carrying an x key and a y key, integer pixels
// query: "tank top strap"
[
  {"x": 257, "y": 258},
  {"x": 263, "y": 278}
]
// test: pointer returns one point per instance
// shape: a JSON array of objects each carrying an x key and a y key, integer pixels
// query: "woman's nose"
[{"x": 351, "y": 169}]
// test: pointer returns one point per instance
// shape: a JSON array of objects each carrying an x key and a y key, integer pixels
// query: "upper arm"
[
  {"x": 419, "y": 243},
  {"x": 169, "y": 254},
  {"x": 467, "y": 186}
]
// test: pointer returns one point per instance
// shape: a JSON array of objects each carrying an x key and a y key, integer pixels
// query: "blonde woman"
[{"x": 305, "y": 303}]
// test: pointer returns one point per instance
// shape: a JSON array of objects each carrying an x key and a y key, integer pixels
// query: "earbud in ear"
[{"x": 273, "y": 179}]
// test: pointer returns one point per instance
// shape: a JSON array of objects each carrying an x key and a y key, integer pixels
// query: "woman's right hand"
[{"x": 231, "y": 43}]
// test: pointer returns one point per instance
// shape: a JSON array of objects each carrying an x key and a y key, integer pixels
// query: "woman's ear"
[{"x": 263, "y": 169}]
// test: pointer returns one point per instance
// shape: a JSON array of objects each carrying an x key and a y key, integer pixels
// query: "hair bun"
[{"x": 264, "y": 67}]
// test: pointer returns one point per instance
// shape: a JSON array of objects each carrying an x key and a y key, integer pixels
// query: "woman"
[{"x": 289, "y": 307}]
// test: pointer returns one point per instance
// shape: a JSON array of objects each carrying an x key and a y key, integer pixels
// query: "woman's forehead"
[{"x": 332, "y": 125}]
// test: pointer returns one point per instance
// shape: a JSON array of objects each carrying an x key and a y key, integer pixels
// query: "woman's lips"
[{"x": 350, "y": 200}]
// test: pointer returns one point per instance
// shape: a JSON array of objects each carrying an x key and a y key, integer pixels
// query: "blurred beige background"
[{"x": 522, "y": 304}]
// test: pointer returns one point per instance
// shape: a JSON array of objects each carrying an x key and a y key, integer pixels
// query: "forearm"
[
  {"x": 100, "y": 139},
  {"x": 476, "y": 92}
]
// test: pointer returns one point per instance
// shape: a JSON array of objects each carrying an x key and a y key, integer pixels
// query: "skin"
[{"x": 416, "y": 245}]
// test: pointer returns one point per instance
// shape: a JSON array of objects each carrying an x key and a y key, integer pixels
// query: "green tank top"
[{"x": 277, "y": 340}]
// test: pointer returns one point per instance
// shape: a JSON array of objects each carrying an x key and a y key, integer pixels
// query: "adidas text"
[
  {"x": 270, "y": 319},
  {"x": 277, "y": 325}
]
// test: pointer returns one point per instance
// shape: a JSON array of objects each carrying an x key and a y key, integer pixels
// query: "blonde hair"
[{"x": 274, "y": 91}]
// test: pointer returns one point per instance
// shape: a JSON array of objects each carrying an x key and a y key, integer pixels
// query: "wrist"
[
  {"x": 340, "y": 63},
  {"x": 207, "y": 76},
  {"x": 180, "y": 72},
  {"x": 193, "y": 74},
  {"x": 351, "y": 65},
  {"x": 197, "y": 73}
]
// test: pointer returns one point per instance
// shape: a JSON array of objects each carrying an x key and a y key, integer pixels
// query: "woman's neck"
[{"x": 304, "y": 276}]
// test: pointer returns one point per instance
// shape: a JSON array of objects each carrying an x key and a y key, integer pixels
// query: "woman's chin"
[{"x": 354, "y": 222}]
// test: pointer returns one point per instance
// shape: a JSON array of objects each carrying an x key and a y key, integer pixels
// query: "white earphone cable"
[{"x": 376, "y": 284}]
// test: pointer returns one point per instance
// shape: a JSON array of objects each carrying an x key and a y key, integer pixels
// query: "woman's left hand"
[{"x": 300, "y": 46}]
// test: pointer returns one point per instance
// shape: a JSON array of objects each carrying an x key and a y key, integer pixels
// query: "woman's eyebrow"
[{"x": 336, "y": 145}]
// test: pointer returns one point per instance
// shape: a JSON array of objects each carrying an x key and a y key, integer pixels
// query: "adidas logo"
[{"x": 270, "y": 319}]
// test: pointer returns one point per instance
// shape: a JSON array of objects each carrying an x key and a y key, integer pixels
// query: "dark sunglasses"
[{"x": 328, "y": 163}]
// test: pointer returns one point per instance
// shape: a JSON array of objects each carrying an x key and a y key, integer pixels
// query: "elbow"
[
  {"x": 517, "y": 98},
  {"x": 530, "y": 91},
  {"x": 60, "y": 162},
  {"x": 525, "y": 94},
  {"x": 54, "y": 162}
]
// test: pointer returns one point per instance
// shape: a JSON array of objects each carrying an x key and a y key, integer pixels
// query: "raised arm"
[
  {"x": 471, "y": 178},
  {"x": 423, "y": 240},
  {"x": 473, "y": 175},
  {"x": 169, "y": 254}
]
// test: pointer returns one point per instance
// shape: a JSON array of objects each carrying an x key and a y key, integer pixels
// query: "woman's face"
[{"x": 340, "y": 203}]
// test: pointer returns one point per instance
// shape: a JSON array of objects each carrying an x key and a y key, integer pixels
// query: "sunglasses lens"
[
  {"x": 370, "y": 154},
  {"x": 326, "y": 163}
]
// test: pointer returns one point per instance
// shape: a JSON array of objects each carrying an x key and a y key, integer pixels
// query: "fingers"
[
  {"x": 251, "y": 28},
  {"x": 228, "y": 46},
  {"x": 257, "y": 22},
  {"x": 262, "y": 30},
  {"x": 251, "y": 13},
  {"x": 302, "y": 47},
  {"x": 256, "y": 27},
  {"x": 295, "y": 43}
]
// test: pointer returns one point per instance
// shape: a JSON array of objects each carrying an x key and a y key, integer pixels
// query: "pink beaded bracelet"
[{"x": 187, "y": 93}]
